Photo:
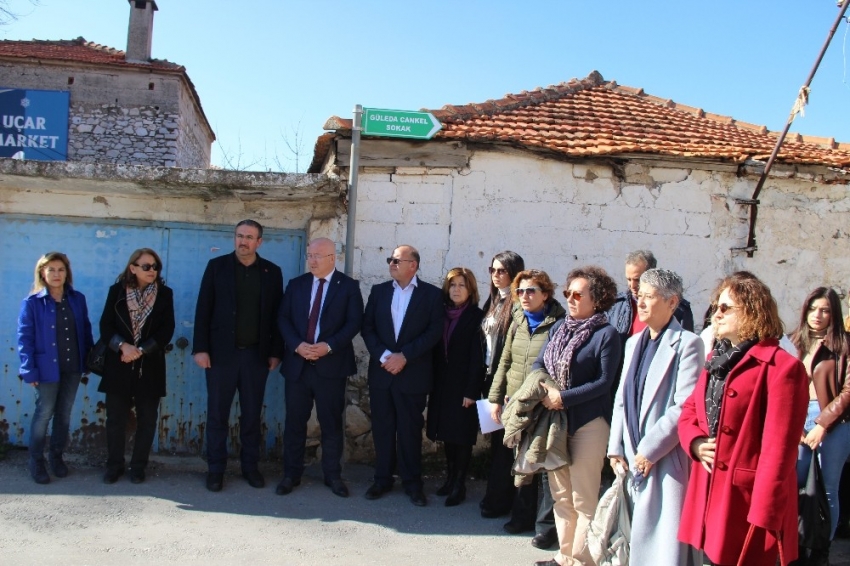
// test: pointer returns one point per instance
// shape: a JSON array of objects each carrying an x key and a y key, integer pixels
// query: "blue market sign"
[{"x": 34, "y": 124}]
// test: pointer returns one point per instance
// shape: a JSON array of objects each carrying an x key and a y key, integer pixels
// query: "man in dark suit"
[
  {"x": 320, "y": 315},
  {"x": 237, "y": 342},
  {"x": 402, "y": 324}
]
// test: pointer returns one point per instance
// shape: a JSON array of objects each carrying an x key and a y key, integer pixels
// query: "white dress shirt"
[
  {"x": 315, "y": 288},
  {"x": 401, "y": 299}
]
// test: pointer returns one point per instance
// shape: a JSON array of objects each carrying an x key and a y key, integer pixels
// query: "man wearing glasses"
[
  {"x": 402, "y": 324},
  {"x": 237, "y": 342},
  {"x": 320, "y": 315}
]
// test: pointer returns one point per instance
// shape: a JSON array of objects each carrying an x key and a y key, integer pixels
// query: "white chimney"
[{"x": 140, "y": 34}]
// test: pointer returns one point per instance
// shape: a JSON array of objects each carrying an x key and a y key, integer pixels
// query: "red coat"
[{"x": 754, "y": 480}]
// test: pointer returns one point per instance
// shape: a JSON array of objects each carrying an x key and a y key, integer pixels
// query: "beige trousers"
[{"x": 575, "y": 489}]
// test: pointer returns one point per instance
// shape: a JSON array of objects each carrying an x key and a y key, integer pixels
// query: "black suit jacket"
[
  {"x": 420, "y": 331},
  {"x": 215, "y": 313},
  {"x": 339, "y": 323}
]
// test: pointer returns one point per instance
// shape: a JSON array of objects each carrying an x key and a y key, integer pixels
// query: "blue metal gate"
[{"x": 98, "y": 251}]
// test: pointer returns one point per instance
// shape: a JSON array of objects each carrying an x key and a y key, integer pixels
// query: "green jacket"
[{"x": 520, "y": 351}]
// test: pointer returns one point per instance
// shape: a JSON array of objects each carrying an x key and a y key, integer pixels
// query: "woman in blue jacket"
[{"x": 54, "y": 338}]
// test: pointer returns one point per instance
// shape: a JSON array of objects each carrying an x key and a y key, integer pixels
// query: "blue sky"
[{"x": 265, "y": 68}]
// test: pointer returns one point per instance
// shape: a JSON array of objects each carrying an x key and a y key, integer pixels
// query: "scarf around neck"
[
  {"x": 452, "y": 316},
  {"x": 723, "y": 358},
  {"x": 569, "y": 337},
  {"x": 140, "y": 304}
]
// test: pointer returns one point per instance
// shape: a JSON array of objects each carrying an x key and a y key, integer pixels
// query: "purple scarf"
[
  {"x": 567, "y": 339},
  {"x": 452, "y": 316}
]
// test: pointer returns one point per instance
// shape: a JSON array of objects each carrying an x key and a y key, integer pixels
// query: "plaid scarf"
[
  {"x": 567, "y": 339},
  {"x": 723, "y": 358},
  {"x": 140, "y": 305}
]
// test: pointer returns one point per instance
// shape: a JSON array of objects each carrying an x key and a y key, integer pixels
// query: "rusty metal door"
[{"x": 98, "y": 251}]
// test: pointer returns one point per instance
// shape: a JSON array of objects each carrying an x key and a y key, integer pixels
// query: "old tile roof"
[
  {"x": 594, "y": 117},
  {"x": 81, "y": 51}
]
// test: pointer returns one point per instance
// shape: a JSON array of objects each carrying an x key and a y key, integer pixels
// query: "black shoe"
[
  {"x": 38, "y": 471},
  {"x": 255, "y": 478},
  {"x": 57, "y": 465},
  {"x": 491, "y": 513},
  {"x": 819, "y": 557},
  {"x": 337, "y": 487},
  {"x": 514, "y": 527},
  {"x": 457, "y": 496},
  {"x": 112, "y": 474},
  {"x": 376, "y": 490},
  {"x": 545, "y": 541},
  {"x": 286, "y": 486},
  {"x": 137, "y": 475},
  {"x": 446, "y": 488},
  {"x": 215, "y": 481},
  {"x": 418, "y": 498},
  {"x": 550, "y": 562}
]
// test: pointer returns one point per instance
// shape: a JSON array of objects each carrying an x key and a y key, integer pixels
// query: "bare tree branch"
[
  {"x": 9, "y": 14},
  {"x": 294, "y": 142}
]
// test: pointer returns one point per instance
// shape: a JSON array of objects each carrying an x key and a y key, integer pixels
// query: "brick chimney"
[{"x": 140, "y": 33}]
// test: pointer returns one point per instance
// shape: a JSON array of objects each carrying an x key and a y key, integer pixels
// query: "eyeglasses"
[
  {"x": 318, "y": 256},
  {"x": 396, "y": 261},
  {"x": 723, "y": 307},
  {"x": 574, "y": 295},
  {"x": 148, "y": 266},
  {"x": 498, "y": 270},
  {"x": 529, "y": 291}
]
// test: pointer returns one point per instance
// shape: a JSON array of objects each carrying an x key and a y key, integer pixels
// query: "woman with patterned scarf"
[
  {"x": 740, "y": 427},
  {"x": 138, "y": 322},
  {"x": 582, "y": 355}
]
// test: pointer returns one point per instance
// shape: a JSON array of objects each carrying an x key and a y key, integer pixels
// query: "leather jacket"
[{"x": 829, "y": 375}]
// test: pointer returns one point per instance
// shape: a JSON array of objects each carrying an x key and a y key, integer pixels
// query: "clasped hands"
[
  {"x": 312, "y": 352},
  {"x": 129, "y": 353}
]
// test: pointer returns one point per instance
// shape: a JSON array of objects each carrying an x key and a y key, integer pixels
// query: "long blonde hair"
[{"x": 38, "y": 282}]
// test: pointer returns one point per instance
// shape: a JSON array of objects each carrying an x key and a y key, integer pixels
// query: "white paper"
[{"x": 487, "y": 423}]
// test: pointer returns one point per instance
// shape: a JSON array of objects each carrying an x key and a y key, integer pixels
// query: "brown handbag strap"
[{"x": 747, "y": 544}]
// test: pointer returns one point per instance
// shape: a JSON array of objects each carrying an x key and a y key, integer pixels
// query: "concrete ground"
[{"x": 172, "y": 517}]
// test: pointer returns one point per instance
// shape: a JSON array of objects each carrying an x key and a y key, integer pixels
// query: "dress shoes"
[
  {"x": 492, "y": 513},
  {"x": 337, "y": 487},
  {"x": 376, "y": 490},
  {"x": 137, "y": 475},
  {"x": 286, "y": 486},
  {"x": 545, "y": 541},
  {"x": 112, "y": 474},
  {"x": 418, "y": 498},
  {"x": 254, "y": 478},
  {"x": 513, "y": 527},
  {"x": 57, "y": 465},
  {"x": 550, "y": 562},
  {"x": 215, "y": 481}
]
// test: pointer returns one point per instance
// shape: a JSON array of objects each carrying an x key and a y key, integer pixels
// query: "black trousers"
[
  {"x": 500, "y": 492},
  {"x": 246, "y": 373},
  {"x": 533, "y": 504},
  {"x": 117, "y": 415},
  {"x": 397, "y": 423},
  {"x": 329, "y": 396}
]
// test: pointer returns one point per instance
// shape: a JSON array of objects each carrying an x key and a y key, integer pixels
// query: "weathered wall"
[{"x": 116, "y": 117}]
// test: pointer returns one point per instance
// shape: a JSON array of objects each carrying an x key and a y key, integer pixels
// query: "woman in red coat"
[{"x": 741, "y": 426}]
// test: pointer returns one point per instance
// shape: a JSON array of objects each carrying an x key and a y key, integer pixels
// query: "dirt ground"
[{"x": 173, "y": 518}]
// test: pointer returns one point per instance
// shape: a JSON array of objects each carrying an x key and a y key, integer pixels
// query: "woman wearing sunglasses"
[
  {"x": 54, "y": 313},
  {"x": 498, "y": 311},
  {"x": 532, "y": 506},
  {"x": 458, "y": 375},
  {"x": 138, "y": 322},
  {"x": 582, "y": 355},
  {"x": 741, "y": 427},
  {"x": 822, "y": 346}
]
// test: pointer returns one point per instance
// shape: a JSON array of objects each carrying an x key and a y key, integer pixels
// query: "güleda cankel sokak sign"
[{"x": 34, "y": 124}]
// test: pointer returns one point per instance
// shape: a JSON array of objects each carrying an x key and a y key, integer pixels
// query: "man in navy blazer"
[
  {"x": 237, "y": 342},
  {"x": 402, "y": 324},
  {"x": 320, "y": 315}
]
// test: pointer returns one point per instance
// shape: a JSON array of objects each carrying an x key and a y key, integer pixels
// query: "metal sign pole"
[{"x": 352, "y": 190}]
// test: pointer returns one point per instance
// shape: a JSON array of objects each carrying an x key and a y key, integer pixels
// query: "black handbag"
[
  {"x": 96, "y": 360},
  {"x": 813, "y": 519}
]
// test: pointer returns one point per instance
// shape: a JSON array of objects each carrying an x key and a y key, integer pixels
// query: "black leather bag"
[
  {"x": 813, "y": 521},
  {"x": 96, "y": 359}
]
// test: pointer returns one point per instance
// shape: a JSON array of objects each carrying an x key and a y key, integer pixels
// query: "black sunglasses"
[
  {"x": 396, "y": 261},
  {"x": 148, "y": 266}
]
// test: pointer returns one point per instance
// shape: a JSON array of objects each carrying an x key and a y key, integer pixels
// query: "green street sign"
[{"x": 399, "y": 124}]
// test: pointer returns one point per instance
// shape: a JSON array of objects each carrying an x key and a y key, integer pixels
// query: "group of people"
[{"x": 710, "y": 432}]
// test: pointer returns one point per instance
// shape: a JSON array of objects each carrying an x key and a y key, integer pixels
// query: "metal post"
[{"x": 352, "y": 190}]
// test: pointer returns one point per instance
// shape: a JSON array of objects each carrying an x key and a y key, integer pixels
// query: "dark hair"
[
  {"x": 128, "y": 279},
  {"x": 759, "y": 313},
  {"x": 38, "y": 282},
  {"x": 253, "y": 224},
  {"x": 835, "y": 339},
  {"x": 513, "y": 263},
  {"x": 471, "y": 284},
  {"x": 603, "y": 290},
  {"x": 538, "y": 276}
]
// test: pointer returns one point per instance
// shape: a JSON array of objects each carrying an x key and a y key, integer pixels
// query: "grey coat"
[{"x": 657, "y": 501}]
